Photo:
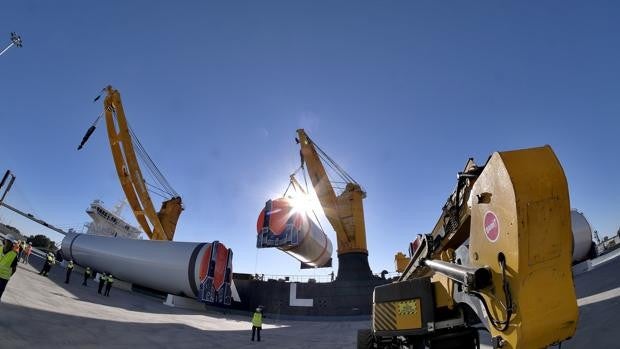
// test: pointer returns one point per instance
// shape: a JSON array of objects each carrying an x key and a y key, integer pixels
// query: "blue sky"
[{"x": 400, "y": 93}]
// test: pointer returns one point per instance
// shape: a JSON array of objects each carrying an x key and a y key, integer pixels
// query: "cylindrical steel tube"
[
  {"x": 280, "y": 224},
  {"x": 474, "y": 278},
  {"x": 582, "y": 236},
  {"x": 191, "y": 269}
]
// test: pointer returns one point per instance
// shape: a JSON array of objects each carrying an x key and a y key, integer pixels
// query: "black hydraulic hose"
[{"x": 499, "y": 325}]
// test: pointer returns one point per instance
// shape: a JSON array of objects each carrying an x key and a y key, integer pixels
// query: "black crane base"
[{"x": 353, "y": 266}]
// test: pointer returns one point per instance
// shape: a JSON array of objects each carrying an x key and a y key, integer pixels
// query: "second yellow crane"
[{"x": 158, "y": 225}]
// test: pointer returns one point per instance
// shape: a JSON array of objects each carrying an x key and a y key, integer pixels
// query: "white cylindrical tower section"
[
  {"x": 281, "y": 225},
  {"x": 190, "y": 269},
  {"x": 582, "y": 236},
  {"x": 315, "y": 248}
]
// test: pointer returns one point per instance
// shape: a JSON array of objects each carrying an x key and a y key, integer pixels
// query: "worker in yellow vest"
[
  {"x": 102, "y": 280},
  {"x": 8, "y": 264},
  {"x": 109, "y": 281},
  {"x": 257, "y": 323},
  {"x": 87, "y": 273},
  {"x": 69, "y": 271},
  {"x": 49, "y": 261}
]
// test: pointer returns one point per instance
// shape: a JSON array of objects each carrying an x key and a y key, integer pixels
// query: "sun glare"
[{"x": 303, "y": 203}]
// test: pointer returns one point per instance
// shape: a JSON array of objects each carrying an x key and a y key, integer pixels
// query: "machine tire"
[{"x": 364, "y": 339}]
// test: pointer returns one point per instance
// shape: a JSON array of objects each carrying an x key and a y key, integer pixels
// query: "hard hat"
[
  {"x": 30, "y": 243},
  {"x": 258, "y": 309}
]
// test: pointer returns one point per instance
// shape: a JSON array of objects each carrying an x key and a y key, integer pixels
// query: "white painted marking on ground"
[{"x": 599, "y": 297}]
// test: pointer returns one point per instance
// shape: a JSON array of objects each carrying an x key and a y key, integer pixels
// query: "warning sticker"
[
  {"x": 491, "y": 226},
  {"x": 407, "y": 307}
]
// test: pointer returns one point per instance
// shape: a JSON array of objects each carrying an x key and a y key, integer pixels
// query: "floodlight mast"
[{"x": 16, "y": 40}]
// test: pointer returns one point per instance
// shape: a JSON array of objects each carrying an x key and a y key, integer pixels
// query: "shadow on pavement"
[
  {"x": 28, "y": 327},
  {"x": 118, "y": 298}
]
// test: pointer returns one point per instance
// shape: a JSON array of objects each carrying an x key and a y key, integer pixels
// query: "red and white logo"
[{"x": 491, "y": 226}]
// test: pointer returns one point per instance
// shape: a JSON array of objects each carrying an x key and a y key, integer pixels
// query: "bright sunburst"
[{"x": 305, "y": 203}]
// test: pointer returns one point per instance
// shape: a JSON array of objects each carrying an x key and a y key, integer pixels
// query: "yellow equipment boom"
[
  {"x": 500, "y": 254},
  {"x": 163, "y": 223},
  {"x": 344, "y": 211}
]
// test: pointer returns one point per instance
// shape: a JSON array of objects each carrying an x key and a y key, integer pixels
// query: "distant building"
[
  {"x": 608, "y": 244},
  {"x": 14, "y": 233}
]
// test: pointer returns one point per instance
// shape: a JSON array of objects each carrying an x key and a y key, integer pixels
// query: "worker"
[
  {"x": 21, "y": 245},
  {"x": 49, "y": 261},
  {"x": 108, "y": 285},
  {"x": 27, "y": 252},
  {"x": 69, "y": 271},
  {"x": 102, "y": 279},
  {"x": 87, "y": 273},
  {"x": 257, "y": 323},
  {"x": 8, "y": 264}
]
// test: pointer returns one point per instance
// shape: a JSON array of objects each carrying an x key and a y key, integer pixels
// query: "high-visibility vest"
[
  {"x": 103, "y": 278},
  {"x": 257, "y": 319},
  {"x": 87, "y": 271},
  {"x": 110, "y": 279},
  {"x": 70, "y": 266},
  {"x": 5, "y": 265}
]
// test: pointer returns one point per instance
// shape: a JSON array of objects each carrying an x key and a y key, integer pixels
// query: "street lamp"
[{"x": 16, "y": 40}]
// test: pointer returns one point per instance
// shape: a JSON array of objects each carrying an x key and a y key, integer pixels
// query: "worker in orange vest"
[{"x": 27, "y": 252}]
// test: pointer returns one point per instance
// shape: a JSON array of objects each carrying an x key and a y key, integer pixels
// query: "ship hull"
[{"x": 340, "y": 298}]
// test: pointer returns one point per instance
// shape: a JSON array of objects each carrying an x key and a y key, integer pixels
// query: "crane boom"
[
  {"x": 162, "y": 223},
  {"x": 345, "y": 212}
]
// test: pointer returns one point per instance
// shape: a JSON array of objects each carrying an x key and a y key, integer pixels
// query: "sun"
[{"x": 303, "y": 203}]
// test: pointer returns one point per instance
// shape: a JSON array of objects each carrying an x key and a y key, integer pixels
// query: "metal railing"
[{"x": 308, "y": 278}]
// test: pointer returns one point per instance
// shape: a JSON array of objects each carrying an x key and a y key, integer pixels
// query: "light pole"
[{"x": 16, "y": 40}]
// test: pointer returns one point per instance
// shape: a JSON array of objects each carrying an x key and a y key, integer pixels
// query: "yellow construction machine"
[
  {"x": 498, "y": 259},
  {"x": 122, "y": 138}
]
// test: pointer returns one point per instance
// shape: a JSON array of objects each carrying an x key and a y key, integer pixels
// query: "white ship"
[{"x": 108, "y": 223}]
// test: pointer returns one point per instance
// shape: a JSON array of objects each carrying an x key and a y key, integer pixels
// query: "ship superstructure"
[{"x": 108, "y": 223}]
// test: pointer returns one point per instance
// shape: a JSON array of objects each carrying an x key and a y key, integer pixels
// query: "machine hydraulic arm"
[{"x": 345, "y": 212}]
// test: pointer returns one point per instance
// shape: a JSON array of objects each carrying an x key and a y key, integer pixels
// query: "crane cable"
[
  {"x": 333, "y": 164},
  {"x": 313, "y": 211},
  {"x": 156, "y": 174},
  {"x": 142, "y": 154},
  {"x": 337, "y": 169},
  {"x": 290, "y": 184}
]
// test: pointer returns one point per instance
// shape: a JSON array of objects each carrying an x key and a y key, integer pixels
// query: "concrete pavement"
[{"x": 44, "y": 312}]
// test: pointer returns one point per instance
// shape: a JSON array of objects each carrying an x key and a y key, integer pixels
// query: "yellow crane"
[
  {"x": 122, "y": 140},
  {"x": 500, "y": 254},
  {"x": 344, "y": 211}
]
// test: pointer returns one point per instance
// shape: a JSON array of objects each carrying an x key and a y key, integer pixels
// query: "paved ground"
[{"x": 44, "y": 312}]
